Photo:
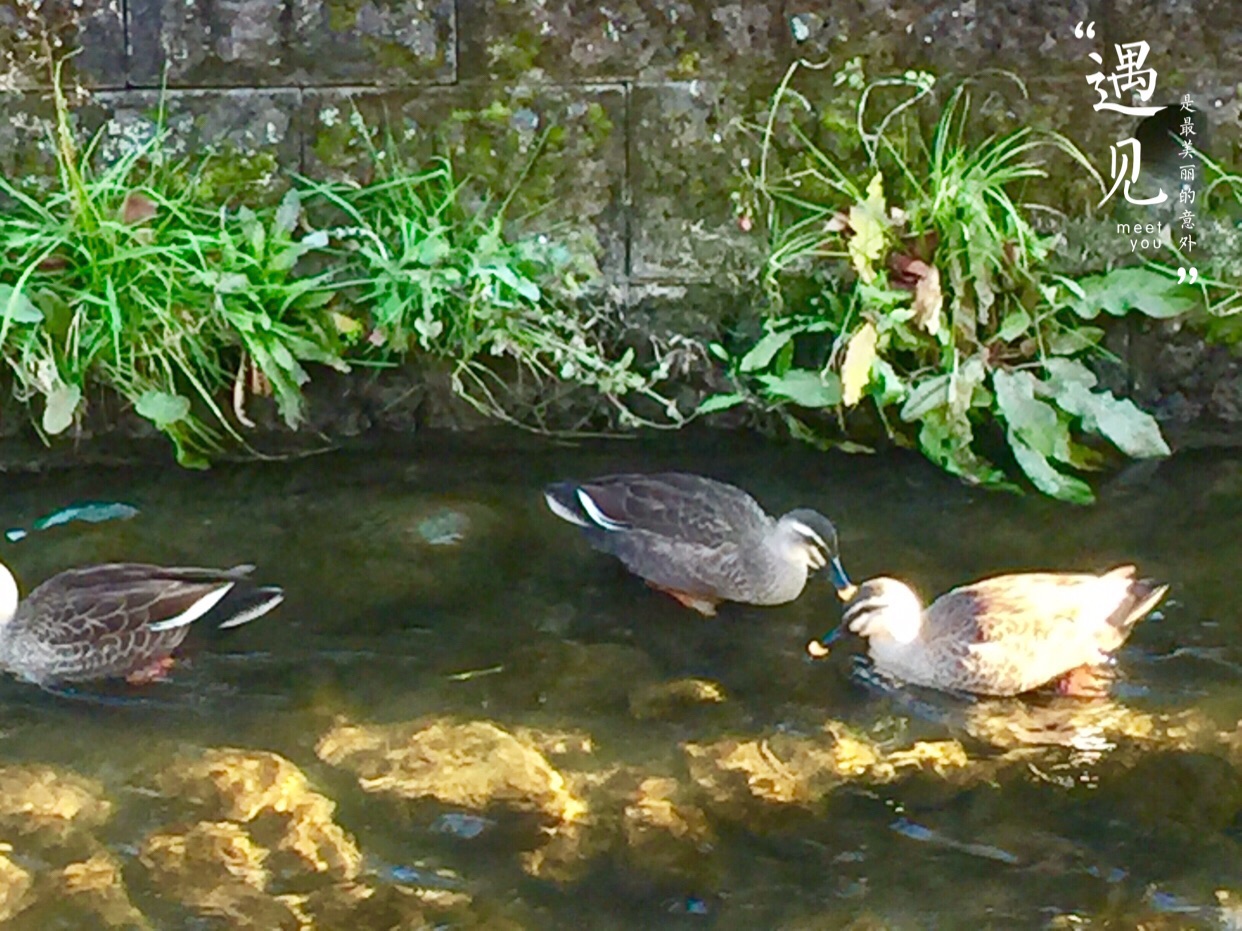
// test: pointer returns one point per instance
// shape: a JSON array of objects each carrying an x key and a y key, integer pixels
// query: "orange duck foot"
[
  {"x": 705, "y": 606},
  {"x": 1084, "y": 682},
  {"x": 155, "y": 671}
]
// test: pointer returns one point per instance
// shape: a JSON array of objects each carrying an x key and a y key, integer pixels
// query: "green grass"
[
  {"x": 922, "y": 287},
  {"x": 128, "y": 279}
]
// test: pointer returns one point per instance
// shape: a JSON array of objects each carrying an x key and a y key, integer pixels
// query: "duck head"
[
  {"x": 881, "y": 609},
  {"x": 809, "y": 537}
]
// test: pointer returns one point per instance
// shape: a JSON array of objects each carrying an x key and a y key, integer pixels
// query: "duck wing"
[
  {"x": 674, "y": 505},
  {"x": 1101, "y": 609},
  {"x": 102, "y": 621}
]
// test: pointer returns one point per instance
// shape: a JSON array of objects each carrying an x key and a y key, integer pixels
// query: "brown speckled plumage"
[
  {"x": 1004, "y": 635},
  {"x": 116, "y": 619}
]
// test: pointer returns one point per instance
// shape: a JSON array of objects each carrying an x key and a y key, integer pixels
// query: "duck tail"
[
  {"x": 244, "y": 606},
  {"x": 572, "y": 502},
  {"x": 1140, "y": 598}
]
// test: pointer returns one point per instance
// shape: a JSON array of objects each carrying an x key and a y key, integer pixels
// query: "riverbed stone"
[
  {"x": 217, "y": 868},
  {"x": 668, "y": 699},
  {"x": 307, "y": 42},
  {"x": 748, "y": 778},
  {"x": 38, "y": 799},
  {"x": 15, "y": 886},
  {"x": 293, "y": 821},
  {"x": 95, "y": 889},
  {"x": 474, "y": 765},
  {"x": 559, "y": 151}
]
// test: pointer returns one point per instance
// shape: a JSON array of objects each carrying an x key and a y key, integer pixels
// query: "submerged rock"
[
  {"x": 217, "y": 868},
  {"x": 96, "y": 887},
  {"x": 15, "y": 885},
  {"x": 43, "y": 800},
  {"x": 475, "y": 765},
  {"x": 253, "y": 786},
  {"x": 666, "y": 836},
  {"x": 665, "y": 699},
  {"x": 786, "y": 770}
]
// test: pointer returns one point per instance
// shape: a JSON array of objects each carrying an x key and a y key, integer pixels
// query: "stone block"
[
  {"x": 687, "y": 158},
  {"x": 1185, "y": 37},
  {"x": 252, "y": 131},
  {"x": 97, "y": 27},
  {"x": 561, "y": 150},
  {"x": 303, "y": 42},
  {"x": 563, "y": 40}
]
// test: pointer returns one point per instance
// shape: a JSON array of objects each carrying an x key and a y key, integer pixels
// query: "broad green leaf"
[
  {"x": 924, "y": 397},
  {"x": 1015, "y": 325},
  {"x": 856, "y": 369},
  {"x": 62, "y": 404},
  {"x": 947, "y": 442},
  {"x": 1046, "y": 478},
  {"x": 892, "y": 387},
  {"x": 1132, "y": 430},
  {"x": 867, "y": 221},
  {"x": 718, "y": 351},
  {"x": 1124, "y": 289},
  {"x": 15, "y": 305},
  {"x": 720, "y": 402},
  {"x": 1072, "y": 342},
  {"x": 162, "y": 408},
  {"x": 288, "y": 212},
  {"x": 762, "y": 353},
  {"x": 1033, "y": 421},
  {"x": 806, "y": 388},
  {"x": 1069, "y": 371}
]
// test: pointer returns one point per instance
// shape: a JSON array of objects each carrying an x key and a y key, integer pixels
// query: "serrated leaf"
[
  {"x": 1045, "y": 477},
  {"x": 804, "y": 387},
  {"x": 15, "y": 305},
  {"x": 288, "y": 212},
  {"x": 1069, "y": 371},
  {"x": 1033, "y": 421},
  {"x": 720, "y": 402},
  {"x": 856, "y": 369},
  {"x": 162, "y": 408},
  {"x": 1124, "y": 289},
  {"x": 62, "y": 404},
  {"x": 762, "y": 353},
  {"x": 1131, "y": 429},
  {"x": 867, "y": 220},
  {"x": 926, "y": 396}
]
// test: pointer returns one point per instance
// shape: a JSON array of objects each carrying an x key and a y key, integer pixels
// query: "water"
[{"x": 429, "y": 583}]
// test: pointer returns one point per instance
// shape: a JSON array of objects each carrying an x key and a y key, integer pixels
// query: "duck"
[
  {"x": 118, "y": 620},
  {"x": 1000, "y": 636},
  {"x": 700, "y": 540}
]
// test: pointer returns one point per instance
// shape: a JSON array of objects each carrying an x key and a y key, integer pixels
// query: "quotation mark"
[
  {"x": 1090, "y": 33},
  {"x": 1183, "y": 276}
]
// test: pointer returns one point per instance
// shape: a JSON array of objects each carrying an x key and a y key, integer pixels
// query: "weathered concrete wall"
[
  {"x": 641, "y": 98},
  {"x": 637, "y": 107}
]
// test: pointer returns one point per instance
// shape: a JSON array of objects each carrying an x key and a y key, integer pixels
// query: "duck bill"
[
  {"x": 840, "y": 581},
  {"x": 819, "y": 648}
]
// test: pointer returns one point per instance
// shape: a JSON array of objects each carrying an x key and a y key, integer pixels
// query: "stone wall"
[
  {"x": 636, "y": 109},
  {"x": 635, "y": 103}
]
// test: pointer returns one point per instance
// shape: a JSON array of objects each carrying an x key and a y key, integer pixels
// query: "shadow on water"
[{"x": 429, "y": 586}]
